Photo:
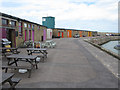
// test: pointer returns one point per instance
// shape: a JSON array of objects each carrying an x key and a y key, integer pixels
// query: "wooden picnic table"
[
  {"x": 41, "y": 50},
  {"x": 8, "y": 77},
  {"x": 37, "y": 50},
  {"x": 13, "y": 50},
  {"x": 13, "y": 59}
]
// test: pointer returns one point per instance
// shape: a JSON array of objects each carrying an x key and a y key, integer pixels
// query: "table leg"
[
  {"x": 15, "y": 61},
  {"x": 11, "y": 84},
  {"x": 29, "y": 52},
  {"x": 4, "y": 51},
  {"x": 36, "y": 64},
  {"x": 31, "y": 62},
  {"x": 29, "y": 73},
  {"x": 8, "y": 61},
  {"x": 45, "y": 53},
  {"x": 6, "y": 69}
]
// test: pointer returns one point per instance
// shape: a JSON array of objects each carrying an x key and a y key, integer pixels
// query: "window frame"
[
  {"x": 20, "y": 31},
  {"x": 33, "y": 26},
  {"x": 25, "y": 25},
  {"x": 38, "y": 27},
  {"x": 29, "y": 25},
  {"x": 4, "y": 20},
  {"x": 13, "y": 23}
]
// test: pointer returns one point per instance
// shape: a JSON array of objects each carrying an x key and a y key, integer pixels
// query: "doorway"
[
  {"x": 62, "y": 35},
  {"x": 41, "y": 38},
  {"x": 11, "y": 36}
]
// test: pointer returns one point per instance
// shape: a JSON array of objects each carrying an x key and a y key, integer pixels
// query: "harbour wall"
[{"x": 98, "y": 41}]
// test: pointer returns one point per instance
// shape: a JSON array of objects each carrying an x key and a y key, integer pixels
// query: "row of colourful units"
[
  {"x": 69, "y": 33},
  {"x": 19, "y": 30}
]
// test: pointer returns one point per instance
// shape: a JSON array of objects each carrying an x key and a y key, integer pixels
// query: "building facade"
[
  {"x": 70, "y": 33},
  {"x": 18, "y": 30}
]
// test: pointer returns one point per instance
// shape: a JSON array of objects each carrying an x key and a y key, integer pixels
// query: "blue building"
[{"x": 48, "y": 21}]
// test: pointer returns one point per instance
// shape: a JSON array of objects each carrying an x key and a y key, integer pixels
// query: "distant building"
[
  {"x": 49, "y": 22},
  {"x": 70, "y": 33}
]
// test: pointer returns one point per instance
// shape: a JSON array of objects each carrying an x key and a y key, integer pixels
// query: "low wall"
[
  {"x": 98, "y": 41},
  {"x": 103, "y": 40}
]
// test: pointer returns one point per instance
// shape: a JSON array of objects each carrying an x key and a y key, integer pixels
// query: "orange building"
[
  {"x": 80, "y": 33},
  {"x": 69, "y": 33}
]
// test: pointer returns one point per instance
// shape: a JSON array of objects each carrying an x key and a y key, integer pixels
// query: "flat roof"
[
  {"x": 48, "y": 17},
  {"x": 72, "y": 29}
]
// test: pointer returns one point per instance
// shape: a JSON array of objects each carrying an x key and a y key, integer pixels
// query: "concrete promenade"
[{"x": 73, "y": 64}]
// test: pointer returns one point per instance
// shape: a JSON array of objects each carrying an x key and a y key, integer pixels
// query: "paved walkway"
[{"x": 70, "y": 65}]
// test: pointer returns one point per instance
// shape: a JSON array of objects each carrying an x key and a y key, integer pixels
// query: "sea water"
[{"x": 110, "y": 46}]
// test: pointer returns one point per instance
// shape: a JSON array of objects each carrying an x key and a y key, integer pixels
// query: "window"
[
  {"x": 38, "y": 27},
  {"x": 32, "y": 26},
  {"x": 20, "y": 28},
  {"x": 25, "y": 24},
  {"x": 20, "y": 24},
  {"x": 29, "y": 25},
  {"x": 12, "y": 23},
  {"x": 4, "y": 22}
]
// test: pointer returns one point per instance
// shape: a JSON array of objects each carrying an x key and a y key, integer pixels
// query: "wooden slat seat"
[
  {"x": 17, "y": 67},
  {"x": 15, "y": 81}
]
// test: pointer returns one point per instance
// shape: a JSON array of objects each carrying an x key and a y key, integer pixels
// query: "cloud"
[
  {"x": 67, "y": 9},
  {"x": 62, "y": 10}
]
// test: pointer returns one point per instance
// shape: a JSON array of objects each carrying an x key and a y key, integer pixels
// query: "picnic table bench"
[
  {"x": 17, "y": 67},
  {"x": 13, "y": 59},
  {"x": 43, "y": 51},
  {"x": 12, "y": 50},
  {"x": 8, "y": 77}
]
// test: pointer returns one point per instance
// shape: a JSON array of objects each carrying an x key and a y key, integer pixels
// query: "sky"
[{"x": 93, "y": 15}]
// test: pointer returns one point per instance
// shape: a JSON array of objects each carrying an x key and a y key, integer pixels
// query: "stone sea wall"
[
  {"x": 98, "y": 41},
  {"x": 102, "y": 39}
]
